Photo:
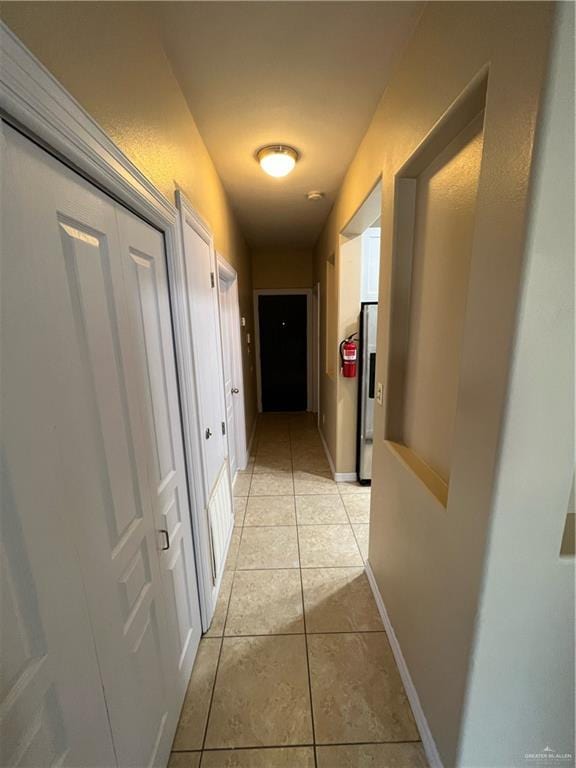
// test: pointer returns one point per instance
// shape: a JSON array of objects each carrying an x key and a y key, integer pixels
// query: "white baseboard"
[
  {"x": 327, "y": 452},
  {"x": 345, "y": 477},
  {"x": 419, "y": 716}
]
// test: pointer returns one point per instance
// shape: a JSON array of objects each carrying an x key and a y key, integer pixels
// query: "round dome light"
[{"x": 277, "y": 160}]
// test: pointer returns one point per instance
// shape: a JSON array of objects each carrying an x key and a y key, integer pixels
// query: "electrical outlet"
[
  {"x": 379, "y": 393},
  {"x": 243, "y": 322}
]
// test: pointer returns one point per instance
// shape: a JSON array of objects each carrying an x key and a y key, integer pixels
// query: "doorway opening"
[
  {"x": 284, "y": 331},
  {"x": 359, "y": 275}
]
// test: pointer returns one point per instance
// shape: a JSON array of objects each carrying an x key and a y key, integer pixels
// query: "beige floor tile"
[
  {"x": 358, "y": 507},
  {"x": 270, "y": 510},
  {"x": 320, "y": 509},
  {"x": 353, "y": 487},
  {"x": 270, "y": 449},
  {"x": 357, "y": 693},
  {"x": 272, "y": 484},
  {"x": 184, "y": 760},
  {"x": 239, "y": 510},
  {"x": 339, "y": 600},
  {"x": 242, "y": 483},
  {"x": 273, "y": 463},
  {"x": 362, "y": 533},
  {"x": 372, "y": 756},
  {"x": 284, "y": 757},
  {"x": 232, "y": 556},
  {"x": 268, "y": 547},
  {"x": 313, "y": 482},
  {"x": 273, "y": 441},
  {"x": 219, "y": 618},
  {"x": 265, "y": 603},
  {"x": 323, "y": 546},
  {"x": 190, "y": 731},
  {"x": 261, "y": 694},
  {"x": 310, "y": 459}
]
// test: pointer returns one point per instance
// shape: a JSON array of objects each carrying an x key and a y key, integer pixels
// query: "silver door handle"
[
  {"x": 235, "y": 390},
  {"x": 208, "y": 433}
]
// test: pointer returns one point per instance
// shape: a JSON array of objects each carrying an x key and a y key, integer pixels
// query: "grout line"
[
  {"x": 353, "y": 531},
  {"x": 258, "y": 747},
  {"x": 307, "y": 632},
  {"x": 221, "y": 643},
  {"x": 306, "y": 638}
]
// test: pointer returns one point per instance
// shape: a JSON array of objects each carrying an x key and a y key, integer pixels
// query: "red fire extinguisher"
[{"x": 349, "y": 357}]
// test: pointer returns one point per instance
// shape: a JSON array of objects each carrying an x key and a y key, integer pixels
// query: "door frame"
[
  {"x": 36, "y": 104},
  {"x": 309, "y": 339},
  {"x": 228, "y": 274}
]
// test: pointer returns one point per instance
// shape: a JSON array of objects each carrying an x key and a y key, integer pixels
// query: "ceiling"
[{"x": 308, "y": 74}]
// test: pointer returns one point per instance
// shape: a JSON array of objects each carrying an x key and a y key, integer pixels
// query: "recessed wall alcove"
[{"x": 435, "y": 206}]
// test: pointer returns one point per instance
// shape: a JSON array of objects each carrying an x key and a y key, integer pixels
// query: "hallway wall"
[
  {"x": 427, "y": 558},
  {"x": 282, "y": 268},
  {"x": 109, "y": 56},
  {"x": 535, "y": 676}
]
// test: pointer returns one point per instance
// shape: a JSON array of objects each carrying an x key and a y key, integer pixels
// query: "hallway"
[{"x": 296, "y": 623}]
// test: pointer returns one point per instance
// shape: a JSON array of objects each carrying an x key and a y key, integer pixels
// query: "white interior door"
[
  {"x": 105, "y": 381},
  {"x": 52, "y": 708},
  {"x": 230, "y": 388},
  {"x": 203, "y": 312}
]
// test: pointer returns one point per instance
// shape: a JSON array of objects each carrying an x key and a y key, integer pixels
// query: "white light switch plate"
[{"x": 379, "y": 393}]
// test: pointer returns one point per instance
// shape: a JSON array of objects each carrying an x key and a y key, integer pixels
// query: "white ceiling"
[{"x": 308, "y": 74}]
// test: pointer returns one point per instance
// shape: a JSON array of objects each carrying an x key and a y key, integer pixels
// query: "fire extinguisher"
[{"x": 349, "y": 357}]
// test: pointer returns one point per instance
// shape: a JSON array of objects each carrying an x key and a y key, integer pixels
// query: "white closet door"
[
  {"x": 205, "y": 332},
  {"x": 93, "y": 403},
  {"x": 52, "y": 709},
  {"x": 143, "y": 259},
  {"x": 227, "y": 324}
]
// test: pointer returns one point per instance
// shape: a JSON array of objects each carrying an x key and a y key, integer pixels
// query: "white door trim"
[
  {"x": 35, "y": 102},
  {"x": 309, "y": 340},
  {"x": 227, "y": 272}
]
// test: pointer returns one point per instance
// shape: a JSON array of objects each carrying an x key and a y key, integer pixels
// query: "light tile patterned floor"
[{"x": 296, "y": 670}]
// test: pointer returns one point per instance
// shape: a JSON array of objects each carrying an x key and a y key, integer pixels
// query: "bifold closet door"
[
  {"x": 52, "y": 708},
  {"x": 108, "y": 403},
  {"x": 154, "y": 370}
]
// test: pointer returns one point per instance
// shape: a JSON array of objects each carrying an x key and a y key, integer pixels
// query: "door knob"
[
  {"x": 235, "y": 390},
  {"x": 208, "y": 433}
]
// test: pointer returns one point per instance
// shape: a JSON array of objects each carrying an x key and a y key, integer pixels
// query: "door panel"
[
  {"x": 227, "y": 320},
  {"x": 205, "y": 333},
  {"x": 52, "y": 708},
  {"x": 120, "y": 540},
  {"x": 283, "y": 352},
  {"x": 147, "y": 289}
]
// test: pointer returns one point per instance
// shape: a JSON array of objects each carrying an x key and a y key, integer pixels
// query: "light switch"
[
  {"x": 248, "y": 338},
  {"x": 379, "y": 393}
]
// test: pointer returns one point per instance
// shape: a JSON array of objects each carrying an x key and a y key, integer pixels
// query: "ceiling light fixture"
[
  {"x": 277, "y": 159},
  {"x": 315, "y": 195}
]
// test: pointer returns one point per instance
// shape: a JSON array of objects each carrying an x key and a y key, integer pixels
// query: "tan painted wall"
[
  {"x": 282, "y": 268},
  {"x": 110, "y": 58},
  {"x": 428, "y": 558},
  {"x": 524, "y": 648}
]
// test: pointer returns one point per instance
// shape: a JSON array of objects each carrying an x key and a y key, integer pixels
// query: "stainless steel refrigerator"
[{"x": 366, "y": 390}]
